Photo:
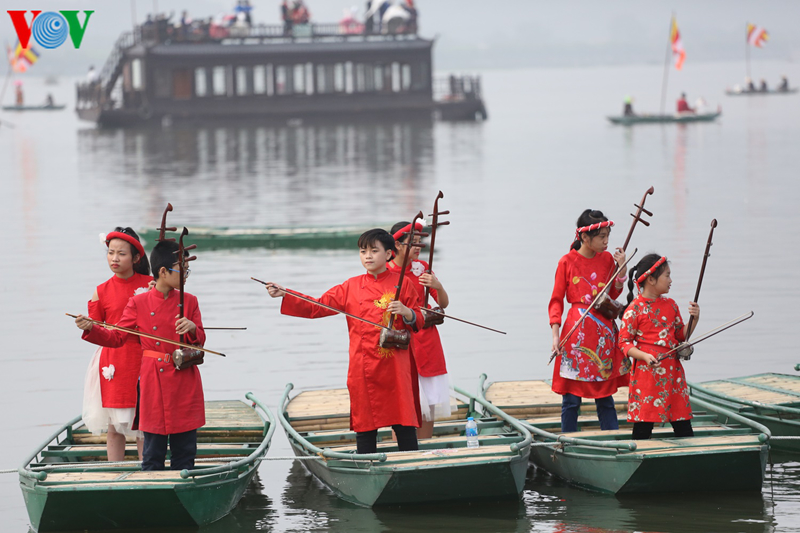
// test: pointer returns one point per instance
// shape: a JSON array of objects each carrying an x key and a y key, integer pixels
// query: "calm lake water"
[{"x": 514, "y": 184}]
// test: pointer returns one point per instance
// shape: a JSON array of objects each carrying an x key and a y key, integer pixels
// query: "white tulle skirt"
[
  {"x": 434, "y": 397},
  {"x": 96, "y": 417}
]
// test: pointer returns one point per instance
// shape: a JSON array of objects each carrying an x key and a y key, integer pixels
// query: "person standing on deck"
[
  {"x": 171, "y": 404},
  {"x": 426, "y": 346},
  {"x": 378, "y": 379},
  {"x": 590, "y": 365},
  {"x": 109, "y": 401},
  {"x": 652, "y": 325}
]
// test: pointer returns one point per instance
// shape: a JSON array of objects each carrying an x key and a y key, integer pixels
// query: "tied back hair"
[
  {"x": 645, "y": 264},
  {"x": 142, "y": 265},
  {"x": 587, "y": 218}
]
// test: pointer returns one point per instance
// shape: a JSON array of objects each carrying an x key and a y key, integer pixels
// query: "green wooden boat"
[
  {"x": 728, "y": 451},
  {"x": 334, "y": 237},
  {"x": 442, "y": 470},
  {"x": 681, "y": 118},
  {"x": 54, "y": 107},
  {"x": 769, "y": 399},
  {"x": 67, "y": 485}
]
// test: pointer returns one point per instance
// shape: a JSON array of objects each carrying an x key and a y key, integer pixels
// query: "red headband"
[
  {"x": 399, "y": 234},
  {"x": 606, "y": 224},
  {"x": 652, "y": 269},
  {"x": 127, "y": 238}
]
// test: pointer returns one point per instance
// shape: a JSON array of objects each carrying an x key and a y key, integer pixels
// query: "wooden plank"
[{"x": 746, "y": 392}]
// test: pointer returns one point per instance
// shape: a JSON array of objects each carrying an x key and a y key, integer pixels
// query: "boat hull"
[
  {"x": 760, "y": 93},
  {"x": 663, "y": 119}
]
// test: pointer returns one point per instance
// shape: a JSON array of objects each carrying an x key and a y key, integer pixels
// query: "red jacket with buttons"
[{"x": 170, "y": 400}]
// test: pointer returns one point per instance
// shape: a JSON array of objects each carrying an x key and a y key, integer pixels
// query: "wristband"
[{"x": 622, "y": 279}]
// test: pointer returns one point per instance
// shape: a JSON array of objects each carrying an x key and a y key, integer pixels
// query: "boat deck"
[{"x": 776, "y": 389}]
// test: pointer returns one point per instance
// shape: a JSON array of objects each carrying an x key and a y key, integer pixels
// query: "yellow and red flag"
[
  {"x": 756, "y": 35},
  {"x": 22, "y": 58},
  {"x": 677, "y": 45}
]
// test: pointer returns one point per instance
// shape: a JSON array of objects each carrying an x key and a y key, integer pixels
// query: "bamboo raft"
[
  {"x": 728, "y": 451},
  {"x": 67, "y": 484},
  {"x": 769, "y": 399},
  {"x": 443, "y": 469}
]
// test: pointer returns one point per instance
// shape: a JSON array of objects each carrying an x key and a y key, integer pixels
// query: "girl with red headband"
[
  {"x": 109, "y": 402},
  {"x": 590, "y": 365},
  {"x": 426, "y": 346},
  {"x": 652, "y": 325}
]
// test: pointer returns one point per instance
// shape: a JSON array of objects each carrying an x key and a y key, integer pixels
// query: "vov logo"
[{"x": 49, "y": 29}]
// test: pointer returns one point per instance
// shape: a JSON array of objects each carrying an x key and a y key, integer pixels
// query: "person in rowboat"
[
  {"x": 378, "y": 379},
  {"x": 683, "y": 105},
  {"x": 652, "y": 325},
  {"x": 426, "y": 346},
  {"x": 109, "y": 399},
  {"x": 171, "y": 404},
  {"x": 627, "y": 110},
  {"x": 590, "y": 365}
]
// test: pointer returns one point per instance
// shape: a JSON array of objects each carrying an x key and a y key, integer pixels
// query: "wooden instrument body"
[
  {"x": 395, "y": 338},
  {"x": 608, "y": 307},
  {"x": 183, "y": 358},
  {"x": 432, "y": 319}
]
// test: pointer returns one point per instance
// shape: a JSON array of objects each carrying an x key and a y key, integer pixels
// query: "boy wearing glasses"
[{"x": 171, "y": 404}]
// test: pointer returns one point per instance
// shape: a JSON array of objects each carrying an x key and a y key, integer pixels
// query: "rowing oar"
[
  {"x": 315, "y": 302},
  {"x": 591, "y": 306},
  {"x": 451, "y": 317},
  {"x": 708, "y": 334},
  {"x": 154, "y": 337}
]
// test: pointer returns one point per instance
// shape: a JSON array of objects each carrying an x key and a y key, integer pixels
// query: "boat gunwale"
[{"x": 758, "y": 406}]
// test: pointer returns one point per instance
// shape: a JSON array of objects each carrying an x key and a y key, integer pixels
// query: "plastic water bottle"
[{"x": 472, "y": 433}]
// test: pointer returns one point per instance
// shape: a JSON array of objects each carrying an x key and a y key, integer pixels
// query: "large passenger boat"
[{"x": 158, "y": 73}]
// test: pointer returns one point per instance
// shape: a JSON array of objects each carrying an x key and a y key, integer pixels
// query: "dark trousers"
[
  {"x": 606, "y": 413},
  {"x": 367, "y": 441},
  {"x": 183, "y": 448},
  {"x": 644, "y": 430}
]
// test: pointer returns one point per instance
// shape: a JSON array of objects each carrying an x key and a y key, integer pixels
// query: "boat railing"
[
  {"x": 258, "y": 452},
  {"x": 24, "y": 471},
  {"x": 454, "y": 88},
  {"x": 322, "y": 452},
  {"x": 516, "y": 447},
  {"x": 756, "y": 405}
]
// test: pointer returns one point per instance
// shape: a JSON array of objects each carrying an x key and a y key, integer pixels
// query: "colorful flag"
[
  {"x": 22, "y": 58},
  {"x": 756, "y": 35},
  {"x": 677, "y": 46}
]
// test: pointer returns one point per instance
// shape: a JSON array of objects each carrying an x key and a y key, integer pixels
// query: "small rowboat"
[
  {"x": 57, "y": 107},
  {"x": 728, "y": 451},
  {"x": 681, "y": 118},
  {"x": 769, "y": 399},
  {"x": 444, "y": 469},
  {"x": 67, "y": 485},
  {"x": 741, "y": 92},
  {"x": 334, "y": 237}
]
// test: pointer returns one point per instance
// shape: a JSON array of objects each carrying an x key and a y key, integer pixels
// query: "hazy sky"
[{"x": 481, "y": 34}]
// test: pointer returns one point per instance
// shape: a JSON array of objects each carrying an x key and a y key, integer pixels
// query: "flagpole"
[
  {"x": 666, "y": 65},
  {"x": 8, "y": 77},
  {"x": 747, "y": 50}
]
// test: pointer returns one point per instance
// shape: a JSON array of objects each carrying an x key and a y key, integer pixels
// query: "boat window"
[
  {"x": 338, "y": 77},
  {"x": 378, "y": 77},
  {"x": 321, "y": 79},
  {"x": 218, "y": 81},
  {"x": 299, "y": 79},
  {"x": 280, "y": 80},
  {"x": 348, "y": 77},
  {"x": 360, "y": 81},
  {"x": 241, "y": 81},
  {"x": 270, "y": 80},
  {"x": 405, "y": 77},
  {"x": 136, "y": 75},
  {"x": 200, "y": 82},
  {"x": 309, "y": 78},
  {"x": 395, "y": 77},
  {"x": 259, "y": 80}
]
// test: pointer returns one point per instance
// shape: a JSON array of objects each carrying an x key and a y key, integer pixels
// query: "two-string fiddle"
[
  {"x": 185, "y": 358},
  {"x": 163, "y": 229},
  {"x": 607, "y": 306},
  {"x": 433, "y": 319}
]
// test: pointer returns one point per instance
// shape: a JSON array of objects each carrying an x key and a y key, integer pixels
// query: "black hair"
[
  {"x": 644, "y": 264},
  {"x": 370, "y": 237},
  {"x": 142, "y": 266},
  {"x": 587, "y": 218},
  {"x": 164, "y": 254}
]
